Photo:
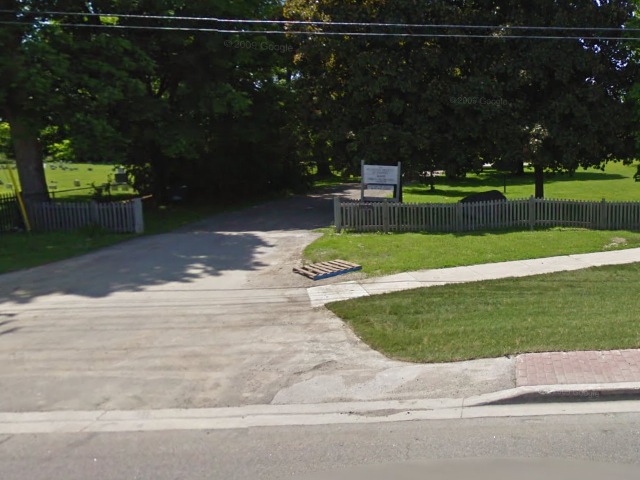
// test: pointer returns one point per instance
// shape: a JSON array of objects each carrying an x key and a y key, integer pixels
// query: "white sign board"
[
  {"x": 380, "y": 175},
  {"x": 381, "y": 178}
]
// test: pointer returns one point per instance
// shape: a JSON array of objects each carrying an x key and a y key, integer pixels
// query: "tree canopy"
[
  {"x": 176, "y": 105},
  {"x": 456, "y": 98},
  {"x": 150, "y": 85}
]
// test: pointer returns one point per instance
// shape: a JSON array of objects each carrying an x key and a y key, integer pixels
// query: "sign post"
[{"x": 381, "y": 177}]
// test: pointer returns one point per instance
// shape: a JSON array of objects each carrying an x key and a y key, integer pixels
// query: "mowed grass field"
[
  {"x": 615, "y": 183},
  {"x": 62, "y": 178},
  {"x": 591, "y": 309}
]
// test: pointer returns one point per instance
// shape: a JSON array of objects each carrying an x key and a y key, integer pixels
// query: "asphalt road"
[
  {"x": 300, "y": 452},
  {"x": 208, "y": 316}
]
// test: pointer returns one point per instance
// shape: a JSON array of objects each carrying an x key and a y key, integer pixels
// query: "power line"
[
  {"x": 324, "y": 33},
  {"x": 322, "y": 23}
]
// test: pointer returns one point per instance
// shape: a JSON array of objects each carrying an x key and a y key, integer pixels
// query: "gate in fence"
[{"x": 10, "y": 218}]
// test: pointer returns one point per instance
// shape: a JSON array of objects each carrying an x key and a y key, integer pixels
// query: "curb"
[
  {"x": 588, "y": 392},
  {"x": 517, "y": 402}
]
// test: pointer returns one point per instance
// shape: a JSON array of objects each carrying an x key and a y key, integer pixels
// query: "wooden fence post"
[
  {"x": 532, "y": 212},
  {"x": 138, "y": 215},
  {"x": 95, "y": 215},
  {"x": 385, "y": 216},
  {"x": 459, "y": 217},
  {"x": 337, "y": 214},
  {"x": 603, "y": 215}
]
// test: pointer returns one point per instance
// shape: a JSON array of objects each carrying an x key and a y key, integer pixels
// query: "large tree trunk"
[
  {"x": 538, "y": 171},
  {"x": 28, "y": 158}
]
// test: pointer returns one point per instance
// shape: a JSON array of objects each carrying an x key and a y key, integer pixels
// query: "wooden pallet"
[{"x": 318, "y": 271}]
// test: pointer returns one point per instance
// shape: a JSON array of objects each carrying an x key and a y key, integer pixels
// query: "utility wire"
[
  {"x": 320, "y": 23},
  {"x": 323, "y": 33}
]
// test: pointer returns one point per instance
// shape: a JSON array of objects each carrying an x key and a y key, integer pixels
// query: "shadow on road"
[
  {"x": 306, "y": 212},
  {"x": 227, "y": 242}
]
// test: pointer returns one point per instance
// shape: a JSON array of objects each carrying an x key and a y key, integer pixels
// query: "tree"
[
  {"x": 376, "y": 99},
  {"x": 568, "y": 104},
  {"x": 221, "y": 103},
  {"x": 178, "y": 107},
  {"x": 60, "y": 78},
  {"x": 456, "y": 103},
  {"x": 23, "y": 85}
]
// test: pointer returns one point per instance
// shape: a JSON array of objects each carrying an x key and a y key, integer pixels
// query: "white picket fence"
[
  {"x": 118, "y": 217},
  {"x": 356, "y": 216}
]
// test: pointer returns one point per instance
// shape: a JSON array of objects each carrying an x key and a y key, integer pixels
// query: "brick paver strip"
[{"x": 553, "y": 368}]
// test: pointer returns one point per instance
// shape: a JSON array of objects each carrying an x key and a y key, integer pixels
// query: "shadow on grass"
[
  {"x": 227, "y": 242},
  {"x": 495, "y": 181},
  {"x": 450, "y": 193},
  {"x": 582, "y": 177}
]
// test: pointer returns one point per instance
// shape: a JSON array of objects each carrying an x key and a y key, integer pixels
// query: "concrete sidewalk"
[
  {"x": 322, "y": 295},
  {"x": 588, "y": 373}
]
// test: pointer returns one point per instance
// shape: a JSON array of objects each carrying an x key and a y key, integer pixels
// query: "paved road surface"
[
  {"x": 295, "y": 452},
  {"x": 209, "y": 316}
]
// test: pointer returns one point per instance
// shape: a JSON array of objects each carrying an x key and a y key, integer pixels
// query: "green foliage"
[
  {"x": 178, "y": 108},
  {"x": 6, "y": 147},
  {"x": 455, "y": 103},
  {"x": 226, "y": 116},
  {"x": 214, "y": 117},
  {"x": 62, "y": 151}
]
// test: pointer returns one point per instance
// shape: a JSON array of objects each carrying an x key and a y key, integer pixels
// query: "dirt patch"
[{"x": 616, "y": 242}]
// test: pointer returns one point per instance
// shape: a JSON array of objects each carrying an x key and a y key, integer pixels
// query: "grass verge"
[
  {"x": 26, "y": 250},
  {"x": 382, "y": 254},
  {"x": 593, "y": 309},
  {"x": 23, "y": 250}
]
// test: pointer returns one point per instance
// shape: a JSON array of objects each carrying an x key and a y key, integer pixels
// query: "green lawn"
[
  {"x": 616, "y": 183},
  {"x": 593, "y": 309},
  {"x": 382, "y": 254},
  {"x": 25, "y": 250},
  {"x": 324, "y": 182},
  {"x": 60, "y": 180}
]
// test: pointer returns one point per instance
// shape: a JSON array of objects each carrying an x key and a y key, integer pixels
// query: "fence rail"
[
  {"x": 356, "y": 216},
  {"x": 10, "y": 218},
  {"x": 119, "y": 217}
]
